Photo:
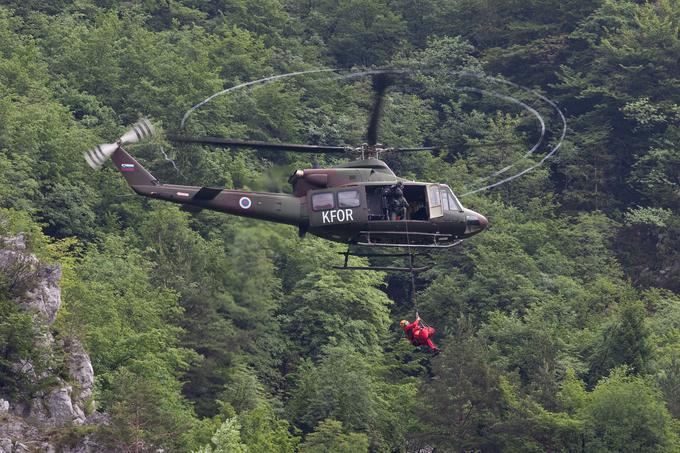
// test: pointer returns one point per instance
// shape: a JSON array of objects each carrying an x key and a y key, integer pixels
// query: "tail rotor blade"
[
  {"x": 142, "y": 129},
  {"x": 139, "y": 131},
  {"x": 96, "y": 157}
]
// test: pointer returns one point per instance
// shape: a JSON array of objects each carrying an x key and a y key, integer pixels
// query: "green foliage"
[
  {"x": 20, "y": 344},
  {"x": 243, "y": 392},
  {"x": 27, "y": 361},
  {"x": 126, "y": 324},
  {"x": 625, "y": 341},
  {"x": 325, "y": 307},
  {"x": 465, "y": 397},
  {"x": 120, "y": 314},
  {"x": 527, "y": 426},
  {"x": 262, "y": 431},
  {"x": 341, "y": 387},
  {"x": 226, "y": 439},
  {"x": 356, "y": 32},
  {"x": 657, "y": 217},
  {"x": 146, "y": 408},
  {"x": 329, "y": 437},
  {"x": 19, "y": 275},
  {"x": 538, "y": 347},
  {"x": 245, "y": 324},
  {"x": 627, "y": 414},
  {"x": 657, "y": 174}
]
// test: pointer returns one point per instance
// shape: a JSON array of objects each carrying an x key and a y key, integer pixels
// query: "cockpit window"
[
  {"x": 454, "y": 204},
  {"x": 445, "y": 200}
]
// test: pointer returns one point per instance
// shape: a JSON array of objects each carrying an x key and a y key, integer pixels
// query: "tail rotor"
[{"x": 96, "y": 157}]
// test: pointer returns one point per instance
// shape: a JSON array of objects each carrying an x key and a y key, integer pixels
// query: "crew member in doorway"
[
  {"x": 396, "y": 202},
  {"x": 418, "y": 334},
  {"x": 385, "y": 203}
]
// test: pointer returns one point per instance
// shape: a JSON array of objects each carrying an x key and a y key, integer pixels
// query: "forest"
[{"x": 559, "y": 327}]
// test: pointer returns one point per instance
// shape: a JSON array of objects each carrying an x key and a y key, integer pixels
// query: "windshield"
[{"x": 453, "y": 200}]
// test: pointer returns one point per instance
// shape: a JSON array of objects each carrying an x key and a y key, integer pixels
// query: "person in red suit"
[{"x": 419, "y": 334}]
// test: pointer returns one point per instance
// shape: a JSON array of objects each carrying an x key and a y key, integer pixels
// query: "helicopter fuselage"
[{"x": 343, "y": 204}]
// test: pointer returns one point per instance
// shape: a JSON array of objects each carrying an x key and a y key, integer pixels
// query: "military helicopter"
[{"x": 347, "y": 203}]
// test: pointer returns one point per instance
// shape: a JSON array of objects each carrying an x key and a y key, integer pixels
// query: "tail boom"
[
  {"x": 274, "y": 207},
  {"x": 133, "y": 172}
]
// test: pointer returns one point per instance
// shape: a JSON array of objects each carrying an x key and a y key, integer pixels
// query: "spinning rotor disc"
[{"x": 382, "y": 79}]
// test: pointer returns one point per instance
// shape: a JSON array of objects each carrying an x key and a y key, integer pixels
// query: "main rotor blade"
[
  {"x": 227, "y": 143},
  {"x": 380, "y": 84},
  {"x": 408, "y": 150},
  {"x": 483, "y": 145}
]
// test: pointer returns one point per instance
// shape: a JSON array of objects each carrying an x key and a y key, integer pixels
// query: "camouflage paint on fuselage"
[{"x": 346, "y": 225}]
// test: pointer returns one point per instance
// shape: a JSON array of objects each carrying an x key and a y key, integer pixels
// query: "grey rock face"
[
  {"x": 25, "y": 425},
  {"x": 20, "y": 448},
  {"x": 61, "y": 409},
  {"x": 80, "y": 369},
  {"x": 48, "y": 448},
  {"x": 86, "y": 446},
  {"x": 14, "y": 430},
  {"x": 17, "y": 242},
  {"x": 7, "y": 446},
  {"x": 44, "y": 297}
]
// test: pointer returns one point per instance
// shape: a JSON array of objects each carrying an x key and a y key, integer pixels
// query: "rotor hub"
[{"x": 367, "y": 151}]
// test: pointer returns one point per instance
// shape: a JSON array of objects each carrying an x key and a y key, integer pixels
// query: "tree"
[
  {"x": 327, "y": 307},
  {"x": 463, "y": 398},
  {"x": 665, "y": 327},
  {"x": 537, "y": 348},
  {"x": 226, "y": 439},
  {"x": 22, "y": 341},
  {"x": 625, "y": 413},
  {"x": 625, "y": 340},
  {"x": 356, "y": 32},
  {"x": 263, "y": 432},
  {"x": 341, "y": 387},
  {"x": 329, "y": 437},
  {"x": 648, "y": 247},
  {"x": 146, "y": 407},
  {"x": 129, "y": 327}
]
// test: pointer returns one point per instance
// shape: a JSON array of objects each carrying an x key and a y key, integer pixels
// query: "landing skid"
[
  {"x": 410, "y": 255},
  {"x": 415, "y": 240},
  {"x": 415, "y": 245}
]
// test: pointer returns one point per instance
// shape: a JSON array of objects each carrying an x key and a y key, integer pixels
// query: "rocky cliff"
[{"x": 53, "y": 411}]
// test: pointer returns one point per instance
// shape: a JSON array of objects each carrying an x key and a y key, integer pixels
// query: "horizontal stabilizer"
[{"x": 207, "y": 193}]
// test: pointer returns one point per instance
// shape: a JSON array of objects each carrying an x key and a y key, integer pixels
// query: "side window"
[
  {"x": 445, "y": 200},
  {"x": 434, "y": 196},
  {"x": 349, "y": 199},
  {"x": 322, "y": 201}
]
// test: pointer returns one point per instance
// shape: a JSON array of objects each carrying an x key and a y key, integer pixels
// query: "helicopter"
[{"x": 346, "y": 203}]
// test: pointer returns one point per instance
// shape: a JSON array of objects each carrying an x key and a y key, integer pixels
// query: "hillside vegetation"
[{"x": 559, "y": 327}]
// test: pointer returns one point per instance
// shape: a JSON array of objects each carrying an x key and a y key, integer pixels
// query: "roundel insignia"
[{"x": 245, "y": 202}]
